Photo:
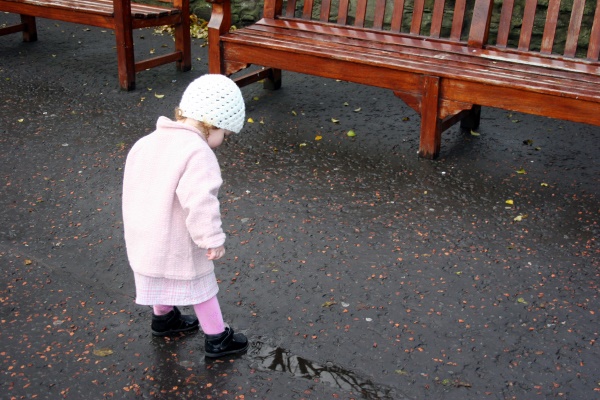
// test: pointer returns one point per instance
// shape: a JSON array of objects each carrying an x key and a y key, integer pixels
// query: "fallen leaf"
[
  {"x": 335, "y": 121},
  {"x": 351, "y": 133},
  {"x": 318, "y": 137},
  {"x": 473, "y": 133},
  {"x": 346, "y": 104},
  {"x": 328, "y": 304},
  {"x": 103, "y": 352},
  {"x": 510, "y": 202},
  {"x": 28, "y": 262},
  {"x": 357, "y": 109},
  {"x": 159, "y": 96},
  {"x": 294, "y": 113},
  {"x": 543, "y": 184},
  {"x": 521, "y": 171},
  {"x": 250, "y": 121}
]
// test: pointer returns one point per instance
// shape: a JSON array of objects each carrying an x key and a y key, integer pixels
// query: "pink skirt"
[{"x": 174, "y": 292}]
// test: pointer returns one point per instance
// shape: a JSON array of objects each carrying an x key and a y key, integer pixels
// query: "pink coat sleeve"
[{"x": 197, "y": 192}]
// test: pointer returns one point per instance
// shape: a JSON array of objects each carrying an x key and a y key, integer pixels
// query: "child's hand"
[{"x": 216, "y": 253}]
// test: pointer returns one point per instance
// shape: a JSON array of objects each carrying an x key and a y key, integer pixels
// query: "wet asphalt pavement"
[{"x": 357, "y": 270}]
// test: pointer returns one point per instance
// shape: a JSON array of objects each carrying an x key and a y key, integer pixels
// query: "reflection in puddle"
[{"x": 278, "y": 359}]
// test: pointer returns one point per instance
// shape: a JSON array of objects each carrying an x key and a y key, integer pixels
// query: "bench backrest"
[{"x": 567, "y": 28}]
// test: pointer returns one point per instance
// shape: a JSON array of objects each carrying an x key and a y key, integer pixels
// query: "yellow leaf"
[
  {"x": 335, "y": 121},
  {"x": 28, "y": 262},
  {"x": 255, "y": 98},
  {"x": 357, "y": 109},
  {"x": 351, "y": 133},
  {"x": 152, "y": 51},
  {"x": 250, "y": 121},
  {"x": 318, "y": 137},
  {"x": 518, "y": 218},
  {"x": 102, "y": 352},
  {"x": 521, "y": 171},
  {"x": 20, "y": 120},
  {"x": 159, "y": 96},
  {"x": 473, "y": 133},
  {"x": 294, "y": 113},
  {"x": 521, "y": 300},
  {"x": 544, "y": 184},
  {"x": 302, "y": 144},
  {"x": 328, "y": 304},
  {"x": 510, "y": 202},
  {"x": 346, "y": 104}
]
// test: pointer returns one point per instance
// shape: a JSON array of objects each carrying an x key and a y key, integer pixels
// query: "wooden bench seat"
[
  {"x": 445, "y": 76},
  {"x": 122, "y": 16}
]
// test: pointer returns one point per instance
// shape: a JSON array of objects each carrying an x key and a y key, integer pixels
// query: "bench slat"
[
  {"x": 344, "y": 6},
  {"x": 307, "y": 9},
  {"x": 361, "y": 12},
  {"x": 594, "y": 46},
  {"x": 379, "y": 14},
  {"x": 417, "y": 18},
  {"x": 397, "y": 15},
  {"x": 458, "y": 19},
  {"x": 550, "y": 27},
  {"x": 436, "y": 19},
  {"x": 325, "y": 10},
  {"x": 574, "y": 28},
  {"x": 527, "y": 25},
  {"x": 290, "y": 8},
  {"x": 504, "y": 24}
]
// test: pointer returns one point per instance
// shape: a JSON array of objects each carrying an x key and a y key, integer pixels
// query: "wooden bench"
[
  {"x": 470, "y": 54},
  {"x": 122, "y": 16}
]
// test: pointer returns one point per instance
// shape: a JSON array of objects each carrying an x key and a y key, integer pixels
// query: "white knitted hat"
[{"x": 216, "y": 100}]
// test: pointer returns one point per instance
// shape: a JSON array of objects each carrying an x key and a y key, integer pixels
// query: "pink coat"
[{"x": 171, "y": 212}]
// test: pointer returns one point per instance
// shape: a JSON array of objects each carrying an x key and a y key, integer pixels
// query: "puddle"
[{"x": 265, "y": 357}]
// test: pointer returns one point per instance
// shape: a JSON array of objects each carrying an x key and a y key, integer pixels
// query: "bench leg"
[
  {"x": 183, "y": 41},
  {"x": 431, "y": 125},
  {"x": 125, "y": 55},
  {"x": 471, "y": 121},
  {"x": 273, "y": 81},
  {"x": 30, "y": 30}
]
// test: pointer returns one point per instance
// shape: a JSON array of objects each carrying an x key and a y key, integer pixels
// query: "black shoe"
[
  {"x": 173, "y": 322},
  {"x": 225, "y": 343}
]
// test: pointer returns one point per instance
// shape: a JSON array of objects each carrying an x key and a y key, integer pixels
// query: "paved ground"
[{"x": 357, "y": 270}]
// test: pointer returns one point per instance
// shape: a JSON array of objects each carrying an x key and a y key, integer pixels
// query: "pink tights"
[{"x": 208, "y": 313}]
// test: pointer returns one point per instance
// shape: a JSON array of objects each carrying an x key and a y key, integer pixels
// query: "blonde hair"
[{"x": 204, "y": 127}]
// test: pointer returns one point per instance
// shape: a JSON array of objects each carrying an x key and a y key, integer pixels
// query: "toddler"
[{"x": 171, "y": 213}]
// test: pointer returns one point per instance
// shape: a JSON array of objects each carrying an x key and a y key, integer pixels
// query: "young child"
[{"x": 171, "y": 213}]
